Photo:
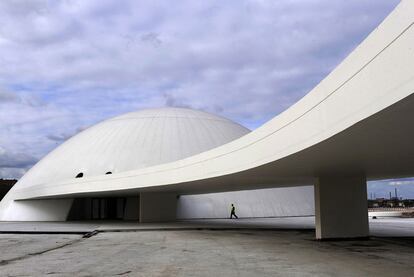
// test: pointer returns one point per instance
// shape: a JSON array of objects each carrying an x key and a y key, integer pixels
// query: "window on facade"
[
  {"x": 109, "y": 172},
  {"x": 80, "y": 175}
]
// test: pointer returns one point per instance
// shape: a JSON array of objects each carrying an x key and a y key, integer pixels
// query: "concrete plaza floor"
[
  {"x": 247, "y": 247},
  {"x": 383, "y": 226}
]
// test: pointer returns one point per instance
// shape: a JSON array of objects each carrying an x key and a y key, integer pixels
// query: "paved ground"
[
  {"x": 383, "y": 226},
  {"x": 254, "y": 247}
]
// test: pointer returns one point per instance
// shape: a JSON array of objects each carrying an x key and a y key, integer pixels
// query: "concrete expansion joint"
[
  {"x": 90, "y": 234},
  {"x": 29, "y": 255}
]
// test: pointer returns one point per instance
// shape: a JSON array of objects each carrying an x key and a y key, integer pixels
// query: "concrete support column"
[
  {"x": 131, "y": 208},
  {"x": 157, "y": 207},
  {"x": 341, "y": 207}
]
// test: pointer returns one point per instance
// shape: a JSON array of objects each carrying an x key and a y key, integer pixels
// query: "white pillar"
[
  {"x": 157, "y": 207},
  {"x": 131, "y": 208},
  {"x": 341, "y": 207}
]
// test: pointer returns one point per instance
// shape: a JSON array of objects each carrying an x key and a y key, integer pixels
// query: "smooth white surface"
[{"x": 292, "y": 201}]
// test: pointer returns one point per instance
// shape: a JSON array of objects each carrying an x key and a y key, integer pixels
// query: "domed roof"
[{"x": 135, "y": 140}]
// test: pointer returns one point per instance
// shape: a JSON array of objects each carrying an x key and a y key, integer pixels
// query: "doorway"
[{"x": 108, "y": 208}]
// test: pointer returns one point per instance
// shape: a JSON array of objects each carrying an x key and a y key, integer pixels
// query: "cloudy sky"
[{"x": 65, "y": 65}]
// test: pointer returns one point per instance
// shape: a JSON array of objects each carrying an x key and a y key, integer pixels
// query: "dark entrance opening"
[{"x": 109, "y": 208}]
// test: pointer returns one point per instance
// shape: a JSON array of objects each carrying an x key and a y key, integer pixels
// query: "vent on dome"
[
  {"x": 109, "y": 172},
  {"x": 80, "y": 175}
]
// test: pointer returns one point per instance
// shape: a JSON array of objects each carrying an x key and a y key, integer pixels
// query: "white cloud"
[
  {"x": 14, "y": 165},
  {"x": 401, "y": 182}
]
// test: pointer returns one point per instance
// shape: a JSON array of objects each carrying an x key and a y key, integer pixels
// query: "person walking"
[{"x": 233, "y": 212}]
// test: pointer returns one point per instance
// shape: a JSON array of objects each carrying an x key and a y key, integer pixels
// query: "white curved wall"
[{"x": 275, "y": 202}]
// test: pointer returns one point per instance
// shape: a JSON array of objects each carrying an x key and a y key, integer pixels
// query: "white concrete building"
[
  {"x": 143, "y": 139},
  {"x": 356, "y": 125}
]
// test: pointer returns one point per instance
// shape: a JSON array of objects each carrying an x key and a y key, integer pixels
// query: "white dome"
[{"x": 134, "y": 140}]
